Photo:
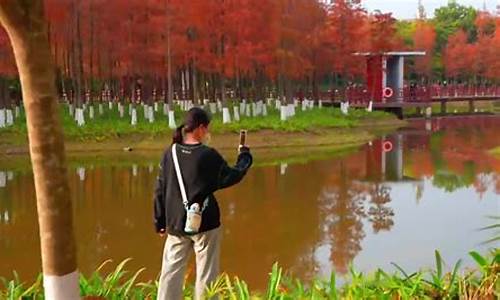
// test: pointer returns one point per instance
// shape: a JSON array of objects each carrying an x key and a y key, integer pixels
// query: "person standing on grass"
[{"x": 185, "y": 207}]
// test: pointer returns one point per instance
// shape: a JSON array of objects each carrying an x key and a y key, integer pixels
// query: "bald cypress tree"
[{"x": 26, "y": 26}]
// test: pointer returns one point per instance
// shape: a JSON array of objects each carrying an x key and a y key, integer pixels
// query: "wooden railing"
[{"x": 360, "y": 94}]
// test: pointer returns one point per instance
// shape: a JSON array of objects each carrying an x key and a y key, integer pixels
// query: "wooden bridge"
[{"x": 415, "y": 96}]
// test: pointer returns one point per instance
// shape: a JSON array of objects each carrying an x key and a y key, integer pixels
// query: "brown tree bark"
[
  {"x": 27, "y": 29},
  {"x": 170, "y": 85},
  {"x": 77, "y": 54}
]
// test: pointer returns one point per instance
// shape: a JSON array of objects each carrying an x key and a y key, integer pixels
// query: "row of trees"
[
  {"x": 477, "y": 60},
  {"x": 157, "y": 50},
  {"x": 462, "y": 44}
]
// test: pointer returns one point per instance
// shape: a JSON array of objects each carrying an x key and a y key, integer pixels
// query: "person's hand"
[
  {"x": 243, "y": 149},
  {"x": 162, "y": 233}
]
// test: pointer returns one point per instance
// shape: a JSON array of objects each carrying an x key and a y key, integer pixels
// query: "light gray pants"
[{"x": 176, "y": 253}]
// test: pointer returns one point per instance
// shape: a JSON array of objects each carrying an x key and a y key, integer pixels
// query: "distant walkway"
[{"x": 416, "y": 96}]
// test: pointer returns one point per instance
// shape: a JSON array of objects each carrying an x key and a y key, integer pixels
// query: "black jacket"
[{"x": 204, "y": 171}]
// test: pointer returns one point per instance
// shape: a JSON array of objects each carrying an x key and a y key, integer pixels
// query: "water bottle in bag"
[{"x": 193, "y": 219}]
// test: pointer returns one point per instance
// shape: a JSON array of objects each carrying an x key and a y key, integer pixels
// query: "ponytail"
[
  {"x": 193, "y": 119},
  {"x": 177, "y": 138}
]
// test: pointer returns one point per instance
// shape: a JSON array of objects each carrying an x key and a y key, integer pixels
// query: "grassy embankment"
[
  {"x": 481, "y": 283},
  {"x": 317, "y": 127}
]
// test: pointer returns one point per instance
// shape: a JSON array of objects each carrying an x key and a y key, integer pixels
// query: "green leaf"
[
  {"x": 125, "y": 290},
  {"x": 492, "y": 240},
  {"x": 400, "y": 269},
  {"x": 490, "y": 227},
  {"x": 439, "y": 264},
  {"x": 480, "y": 260},
  {"x": 242, "y": 289},
  {"x": 274, "y": 281},
  {"x": 454, "y": 273},
  {"x": 333, "y": 286}
]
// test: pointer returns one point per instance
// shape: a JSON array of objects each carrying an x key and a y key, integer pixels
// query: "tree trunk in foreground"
[{"x": 25, "y": 24}]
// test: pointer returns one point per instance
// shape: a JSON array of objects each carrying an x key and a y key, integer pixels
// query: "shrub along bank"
[{"x": 481, "y": 283}]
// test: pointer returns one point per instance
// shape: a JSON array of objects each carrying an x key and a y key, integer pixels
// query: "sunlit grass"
[
  {"x": 111, "y": 125},
  {"x": 480, "y": 283}
]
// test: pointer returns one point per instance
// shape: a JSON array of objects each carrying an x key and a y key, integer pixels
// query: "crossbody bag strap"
[
  {"x": 181, "y": 181},
  {"x": 179, "y": 176}
]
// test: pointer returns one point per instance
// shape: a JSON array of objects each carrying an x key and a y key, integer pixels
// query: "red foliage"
[
  {"x": 243, "y": 38},
  {"x": 346, "y": 36},
  {"x": 458, "y": 55},
  {"x": 383, "y": 36},
  {"x": 425, "y": 40}
]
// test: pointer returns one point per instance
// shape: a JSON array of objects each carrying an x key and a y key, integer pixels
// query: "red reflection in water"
[{"x": 269, "y": 217}]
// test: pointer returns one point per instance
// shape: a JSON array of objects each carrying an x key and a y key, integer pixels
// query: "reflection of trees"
[
  {"x": 460, "y": 158},
  {"x": 272, "y": 217},
  {"x": 419, "y": 190},
  {"x": 447, "y": 181},
  {"x": 481, "y": 184},
  {"x": 343, "y": 226},
  {"x": 379, "y": 214},
  {"x": 444, "y": 178},
  {"x": 343, "y": 208},
  {"x": 496, "y": 179},
  {"x": 469, "y": 172}
]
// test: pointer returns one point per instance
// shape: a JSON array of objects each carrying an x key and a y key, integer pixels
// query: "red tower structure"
[{"x": 385, "y": 74}]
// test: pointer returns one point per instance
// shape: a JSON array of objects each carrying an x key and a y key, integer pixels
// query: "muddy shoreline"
[
  {"x": 270, "y": 147},
  {"x": 13, "y": 144}
]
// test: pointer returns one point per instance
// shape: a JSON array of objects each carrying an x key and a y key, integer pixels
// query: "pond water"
[{"x": 431, "y": 188}]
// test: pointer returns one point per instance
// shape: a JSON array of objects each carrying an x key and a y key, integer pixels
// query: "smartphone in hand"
[{"x": 243, "y": 137}]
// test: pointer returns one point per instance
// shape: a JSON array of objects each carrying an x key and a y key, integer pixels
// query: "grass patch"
[
  {"x": 481, "y": 283},
  {"x": 111, "y": 125}
]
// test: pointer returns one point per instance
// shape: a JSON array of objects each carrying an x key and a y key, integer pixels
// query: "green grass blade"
[
  {"x": 492, "y": 240},
  {"x": 333, "y": 286},
  {"x": 274, "y": 281},
  {"x": 402, "y": 271},
  {"x": 496, "y": 256},
  {"x": 113, "y": 278},
  {"x": 33, "y": 289},
  {"x": 229, "y": 287},
  {"x": 241, "y": 289},
  {"x": 218, "y": 287},
  {"x": 128, "y": 285},
  {"x": 490, "y": 227},
  {"x": 439, "y": 264},
  {"x": 108, "y": 261},
  {"x": 480, "y": 260},
  {"x": 454, "y": 273}
]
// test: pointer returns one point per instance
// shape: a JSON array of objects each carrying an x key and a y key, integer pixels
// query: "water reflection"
[
  {"x": 380, "y": 204},
  {"x": 3, "y": 179},
  {"x": 81, "y": 173},
  {"x": 283, "y": 167},
  {"x": 344, "y": 204},
  {"x": 134, "y": 170},
  {"x": 379, "y": 214}
]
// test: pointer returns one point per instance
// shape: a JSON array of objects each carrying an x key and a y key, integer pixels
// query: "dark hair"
[{"x": 193, "y": 119}]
